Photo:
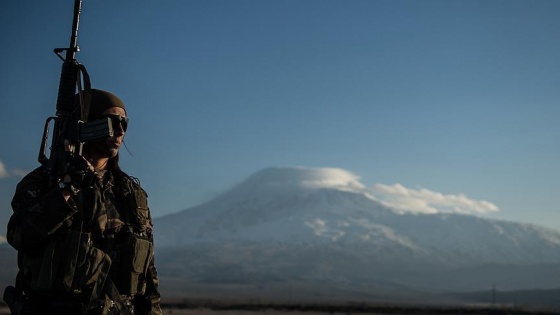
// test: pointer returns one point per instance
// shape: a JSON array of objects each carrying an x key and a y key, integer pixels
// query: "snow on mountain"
[
  {"x": 275, "y": 203},
  {"x": 330, "y": 207}
]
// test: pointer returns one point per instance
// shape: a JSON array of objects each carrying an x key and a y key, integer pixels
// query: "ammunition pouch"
[
  {"x": 73, "y": 266},
  {"x": 137, "y": 251},
  {"x": 133, "y": 265}
]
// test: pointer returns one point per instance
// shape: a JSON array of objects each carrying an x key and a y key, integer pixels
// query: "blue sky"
[{"x": 453, "y": 97}]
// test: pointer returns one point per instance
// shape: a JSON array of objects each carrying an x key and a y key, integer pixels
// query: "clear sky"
[{"x": 448, "y": 98}]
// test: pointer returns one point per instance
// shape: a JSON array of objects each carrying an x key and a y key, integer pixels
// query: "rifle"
[
  {"x": 71, "y": 126},
  {"x": 70, "y": 131}
]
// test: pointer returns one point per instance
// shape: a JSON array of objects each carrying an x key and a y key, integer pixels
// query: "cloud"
[
  {"x": 307, "y": 177},
  {"x": 422, "y": 200},
  {"x": 397, "y": 196},
  {"x": 3, "y": 170},
  {"x": 5, "y": 173},
  {"x": 332, "y": 178}
]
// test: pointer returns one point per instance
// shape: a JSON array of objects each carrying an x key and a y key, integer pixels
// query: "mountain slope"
[
  {"x": 330, "y": 207},
  {"x": 319, "y": 229}
]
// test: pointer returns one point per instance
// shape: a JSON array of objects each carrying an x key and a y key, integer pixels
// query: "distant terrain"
[
  {"x": 289, "y": 232},
  {"x": 8, "y": 266},
  {"x": 337, "y": 309}
]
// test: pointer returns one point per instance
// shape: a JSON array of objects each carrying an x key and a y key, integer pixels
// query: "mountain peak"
[
  {"x": 282, "y": 182},
  {"x": 283, "y": 177}
]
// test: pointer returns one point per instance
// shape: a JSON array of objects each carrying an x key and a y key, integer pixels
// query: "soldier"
[{"x": 85, "y": 246}]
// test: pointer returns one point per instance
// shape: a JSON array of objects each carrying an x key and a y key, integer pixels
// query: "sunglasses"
[{"x": 116, "y": 120}]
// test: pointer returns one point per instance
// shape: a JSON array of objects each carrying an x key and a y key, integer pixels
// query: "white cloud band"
[
  {"x": 5, "y": 173},
  {"x": 426, "y": 201},
  {"x": 3, "y": 170}
]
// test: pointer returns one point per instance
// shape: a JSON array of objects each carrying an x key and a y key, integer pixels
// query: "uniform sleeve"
[
  {"x": 152, "y": 291},
  {"x": 152, "y": 295},
  {"x": 39, "y": 211},
  {"x": 149, "y": 302}
]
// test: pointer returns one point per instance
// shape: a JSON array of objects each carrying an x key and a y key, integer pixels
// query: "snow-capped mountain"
[
  {"x": 329, "y": 206},
  {"x": 320, "y": 224},
  {"x": 282, "y": 204}
]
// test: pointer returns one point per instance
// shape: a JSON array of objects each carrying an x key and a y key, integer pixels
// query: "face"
[{"x": 108, "y": 148}]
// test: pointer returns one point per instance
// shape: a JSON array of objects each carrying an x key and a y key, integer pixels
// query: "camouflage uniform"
[{"x": 113, "y": 212}]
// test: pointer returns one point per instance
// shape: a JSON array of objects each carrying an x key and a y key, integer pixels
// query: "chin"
[{"x": 112, "y": 153}]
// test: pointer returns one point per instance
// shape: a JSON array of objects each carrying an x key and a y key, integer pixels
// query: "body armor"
[{"x": 88, "y": 250}]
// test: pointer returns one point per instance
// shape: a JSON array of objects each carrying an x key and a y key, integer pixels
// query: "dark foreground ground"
[{"x": 219, "y": 308}]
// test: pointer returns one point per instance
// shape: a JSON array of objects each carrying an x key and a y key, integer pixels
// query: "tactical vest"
[{"x": 72, "y": 267}]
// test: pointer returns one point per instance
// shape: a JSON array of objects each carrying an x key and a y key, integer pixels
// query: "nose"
[{"x": 118, "y": 129}]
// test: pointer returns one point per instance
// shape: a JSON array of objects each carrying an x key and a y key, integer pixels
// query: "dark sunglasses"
[{"x": 116, "y": 120}]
